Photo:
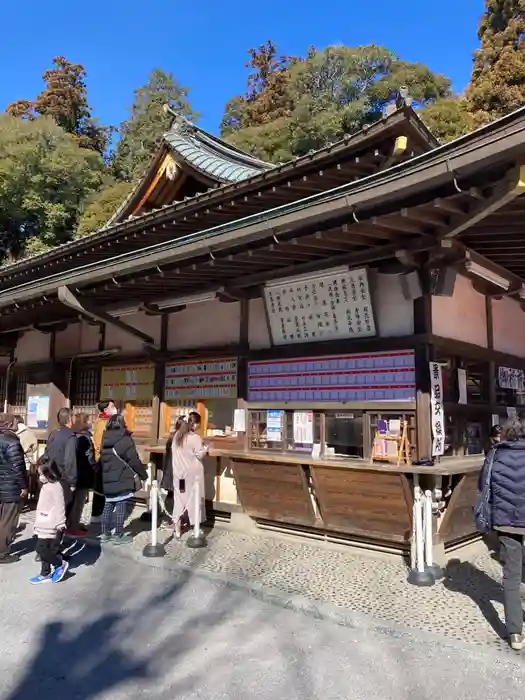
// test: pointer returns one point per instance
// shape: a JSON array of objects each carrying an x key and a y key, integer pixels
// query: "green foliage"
[
  {"x": 498, "y": 76},
  {"x": 141, "y": 134},
  {"x": 295, "y": 105},
  {"x": 64, "y": 99},
  {"x": 448, "y": 119},
  {"x": 100, "y": 207},
  {"x": 44, "y": 177}
]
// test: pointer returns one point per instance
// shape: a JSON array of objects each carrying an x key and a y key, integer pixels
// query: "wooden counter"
[{"x": 351, "y": 499}]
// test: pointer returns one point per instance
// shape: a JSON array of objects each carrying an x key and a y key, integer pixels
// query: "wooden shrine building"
[{"x": 335, "y": 319}]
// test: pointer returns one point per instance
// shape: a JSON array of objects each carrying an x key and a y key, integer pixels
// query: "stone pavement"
[
  {"x": 119, "y": 630},
  {"x": 466, "y": 607}
]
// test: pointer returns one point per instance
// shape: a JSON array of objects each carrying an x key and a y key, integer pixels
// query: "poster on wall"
[
  {"x": 371, "y": 376},
  {"x": 128, "y": 382},
  {"x": 462, "y": 386},
  {"x": 509, "y": 378},
  {"x": 334, "y": 304},
  {"x": 37, "y": 412},
  {"x": 209, "y": 379},
  {"x": 436, "y": 410},
  {"x": 303, "y": 427},
  {"x": 274, "y": 425}
]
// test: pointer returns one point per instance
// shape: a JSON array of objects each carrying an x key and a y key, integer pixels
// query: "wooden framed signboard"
[{"x": 335, "y": 304}]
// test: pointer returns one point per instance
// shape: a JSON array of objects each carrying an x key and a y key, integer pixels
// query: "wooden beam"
[
  {"x": 506, "y": 191},
  {"x": 66, "y": 297}
]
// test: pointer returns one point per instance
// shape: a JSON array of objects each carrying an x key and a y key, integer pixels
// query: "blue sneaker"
[
  {"x": 58, "y": 574},
  {"x": 40, "y": 579}
]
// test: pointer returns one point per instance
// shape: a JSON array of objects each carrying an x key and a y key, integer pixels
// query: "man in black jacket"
[
  {"x": 13, "y": 485},
  {"x": 62, "y": 450}
]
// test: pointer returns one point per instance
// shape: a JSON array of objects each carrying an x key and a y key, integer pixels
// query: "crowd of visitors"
[{"x": 79, "y": 459}]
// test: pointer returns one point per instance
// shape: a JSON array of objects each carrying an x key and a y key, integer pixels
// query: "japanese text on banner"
[{"x": 436, "y": 409}]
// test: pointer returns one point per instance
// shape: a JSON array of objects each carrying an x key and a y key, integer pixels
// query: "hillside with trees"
[{"x": 63, "y": 173}]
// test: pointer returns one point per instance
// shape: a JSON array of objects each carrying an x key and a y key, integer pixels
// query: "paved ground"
[
  {"x": 122, "y": 630},
  {"x": 467, "y": 606}
]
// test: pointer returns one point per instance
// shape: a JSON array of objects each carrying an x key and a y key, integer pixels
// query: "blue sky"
[{"x": 204, "y": 43}]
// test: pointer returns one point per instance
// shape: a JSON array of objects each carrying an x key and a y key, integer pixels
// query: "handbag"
[
  {"x": 483, "y": 505},
  {"x": 137, "y": 481}
]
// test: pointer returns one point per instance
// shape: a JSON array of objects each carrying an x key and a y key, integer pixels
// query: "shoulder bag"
[{"x": 137, "y": 481}]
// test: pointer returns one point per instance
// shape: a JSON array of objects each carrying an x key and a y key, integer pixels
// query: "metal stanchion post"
[
  {"x": 418, "y": 576},
  {"x": 436, "y": 571},
  {"x": 154, "y": 548},
  {"x": 197, "y": 539}
]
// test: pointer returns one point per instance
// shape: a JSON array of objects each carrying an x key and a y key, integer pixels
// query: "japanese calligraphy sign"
[
  {"x": 436, "y": 409},
  {"x": 128, "y": 382},
  {"x": 334, "y": 304},
  {"x": 511, "y": 378},
  {"x": 210, "y": 379}
]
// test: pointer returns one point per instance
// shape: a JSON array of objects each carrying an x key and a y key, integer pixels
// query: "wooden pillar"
[
  {"x": 244, "y": 348},
  {"x": 423, "y": 356},
  {"x": 490, "y": 346},
  {"x": 158, "y": 384}
]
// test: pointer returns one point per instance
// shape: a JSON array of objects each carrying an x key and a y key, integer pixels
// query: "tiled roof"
[{"x": 211, "y": 156}]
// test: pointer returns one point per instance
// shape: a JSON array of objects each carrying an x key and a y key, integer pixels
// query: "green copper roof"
[{"x": 211, "y": 156}]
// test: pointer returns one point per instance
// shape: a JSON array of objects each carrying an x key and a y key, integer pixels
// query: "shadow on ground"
[{"x": 92, "y": 655}]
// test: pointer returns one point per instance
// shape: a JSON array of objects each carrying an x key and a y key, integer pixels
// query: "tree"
[
  {"x": 64, "y": 99},
  {"x": 44, "y": 178},
  {"x": 498, "y": 77},
  {"x": 267, "y": 95},
  {"x": 448, "y": 118},
  {"x": 100, "y": 207},
  {"x": 320, "y": 98},
  {"x": 141, "y": 134}
]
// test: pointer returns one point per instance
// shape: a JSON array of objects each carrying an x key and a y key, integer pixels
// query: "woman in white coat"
[{"x": 188, "y": 450}]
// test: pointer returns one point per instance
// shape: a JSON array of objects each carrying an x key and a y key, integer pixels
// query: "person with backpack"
[
  {"x": 501, "y": 509},
  {"x": 122, "y": 476}
]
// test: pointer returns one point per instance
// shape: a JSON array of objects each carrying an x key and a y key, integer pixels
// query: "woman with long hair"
[
  {"x": 187, "y": 451},
  {"x": 122, "y": 476}
]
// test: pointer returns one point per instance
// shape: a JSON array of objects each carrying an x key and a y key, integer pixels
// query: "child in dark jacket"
[{"x": 50, "y": 524}]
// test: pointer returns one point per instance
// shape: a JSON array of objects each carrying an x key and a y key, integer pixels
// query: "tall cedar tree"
[
  {"x": 64, "y": 99},
  {"x": 141, "y": 134},
  {"x": 267, "y": 96},
  {"x": 498, "y": 77}
]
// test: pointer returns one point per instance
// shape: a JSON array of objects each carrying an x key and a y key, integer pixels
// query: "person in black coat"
[
  {"x": 86, "y": 467},
  {"x": 504, "y": 471},
  {"x": 122, "y": 474},
  {"x": 13, "y": 485}
]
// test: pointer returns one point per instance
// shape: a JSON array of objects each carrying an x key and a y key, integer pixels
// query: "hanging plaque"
[
  {"x": 207, "y": 379},
  {"x": 334, "y": 304},
  {"x": 437, "y": 411}
]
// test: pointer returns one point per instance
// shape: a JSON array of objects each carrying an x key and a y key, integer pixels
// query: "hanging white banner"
[{"x": 436, "y": 409}]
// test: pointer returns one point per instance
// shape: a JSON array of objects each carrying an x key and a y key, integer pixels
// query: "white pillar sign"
[{"x": 436, "y": 410}]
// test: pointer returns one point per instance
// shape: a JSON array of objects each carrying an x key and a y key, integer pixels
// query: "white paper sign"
[
  {"x": 303, "y": 427},
  {"x": 511, "y": 412},
  {"x": 239, "y": 420},
  {"x": 462, "y": 385},
  {"x": 511, "y": 378},
  {"x": 274, "y": 425},
  {"x": 436, "y": 409},
  {"x": 334, "y": 304}
]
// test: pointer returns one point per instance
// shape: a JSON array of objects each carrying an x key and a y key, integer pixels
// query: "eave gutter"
[{"x": 419, "y": 174}]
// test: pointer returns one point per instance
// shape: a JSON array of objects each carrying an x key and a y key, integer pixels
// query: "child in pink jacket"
[{"x": 50, "y": 524}]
